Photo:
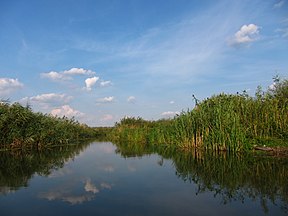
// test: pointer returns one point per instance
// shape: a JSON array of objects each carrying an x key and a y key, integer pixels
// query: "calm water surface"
[{"x": 101, "y": 178}]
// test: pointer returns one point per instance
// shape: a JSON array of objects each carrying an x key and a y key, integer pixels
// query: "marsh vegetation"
[
  {"x": 20, "y": 127},
  {"x": 230, "y": 122}
]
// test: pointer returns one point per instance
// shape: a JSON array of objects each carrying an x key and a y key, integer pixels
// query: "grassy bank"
[
  {"x": 232, "y": 122},
  {"x": 22, "y": 128}
]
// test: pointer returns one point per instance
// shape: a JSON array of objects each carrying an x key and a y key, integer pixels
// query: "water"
[{"x": 101, "y": 178}]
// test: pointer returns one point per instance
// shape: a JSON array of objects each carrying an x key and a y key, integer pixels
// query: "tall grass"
[
  {"x": 22, "y": 128},
  {"x": 231, "y": 122}
]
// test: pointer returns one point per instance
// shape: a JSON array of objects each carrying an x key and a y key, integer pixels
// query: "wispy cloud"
[
  {"x": 279, "y": 4},
  {"x": 9, "y": 85},
  {"x": 246, "y": 34},
  {"x": 107, "y": 117},
  {"x": 131, "y": 99},
  {"x": 154, "y": 51},
  {"x": 283, "y": 32},
  {"x": 105, "y": 83}
]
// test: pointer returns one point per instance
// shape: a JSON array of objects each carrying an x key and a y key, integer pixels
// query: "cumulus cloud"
[
  {"x": 131, "y": 99},
  {"x": 55, "y": 76},
  {"x": 8, "y": 85},
  {"x": 79, "y": 71},
  {"x": 246, "y": 34},
  {"x": 90, "y": 82},
  {"x": 172, "y": 102},
  {"x": 106, "y": 99},
  {"x": 279, "y": 4},
  {"x": 67, "y": 74},
  {"x": 51, "y": 98},
  {"x": 67, "y": 111},
  {"x": 170, "y": 113}
]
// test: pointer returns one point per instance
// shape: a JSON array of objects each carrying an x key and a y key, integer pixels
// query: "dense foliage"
[
  {"x": 20, "y": 127},
  {"x": 232, "y": 122}
]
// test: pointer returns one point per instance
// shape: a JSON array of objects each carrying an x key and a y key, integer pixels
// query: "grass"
[{"x": 230, "y": 122}]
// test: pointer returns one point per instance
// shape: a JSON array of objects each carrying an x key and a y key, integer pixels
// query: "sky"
[{"x": 103, "y": 60}]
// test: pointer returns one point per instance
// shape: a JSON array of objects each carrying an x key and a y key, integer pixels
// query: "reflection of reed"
[
  {"x": 17, "y": 167},
  {"x": 230, "y": 176}
]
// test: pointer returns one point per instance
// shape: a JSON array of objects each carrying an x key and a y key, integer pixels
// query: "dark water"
[{"x": 101, "y": 178}]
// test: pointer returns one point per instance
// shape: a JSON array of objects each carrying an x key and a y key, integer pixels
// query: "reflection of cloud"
[
  {"x": 108, "y": 149},
  {"x": 59, "y": 173},
  {"x": 6, "y": 190},
  {"x": 109, "y": 168},
  {"x": 105, "y": 185},
  {"x": 90, "y": 187},
  {"x": 58, "y": 195},
  {"x": 66, "y": 194},
  {"x": 78, "y": 199},
  {"x": 131, "y": 168}
]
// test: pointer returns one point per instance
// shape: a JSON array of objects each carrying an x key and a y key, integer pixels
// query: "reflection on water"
[{"x": 127, "y": 179}]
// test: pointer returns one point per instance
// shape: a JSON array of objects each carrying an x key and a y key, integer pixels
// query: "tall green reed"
[{"x": 230, "y": 122}]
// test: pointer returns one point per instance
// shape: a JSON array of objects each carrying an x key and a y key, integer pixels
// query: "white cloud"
[
  {"x": 246, "y": 34},
  {"x": 51, "y": 98},
  {"x": 107, "y": 117},
  {"x": 78, "y": 71},
  {"x": 172, "y": 102},
  {"x": 105, "y": 83},
  {"x": 170, "y": 113},
  {"x": 55, "y": 76},
  {"x": 131, "y": 99},
  {"x": 67, "y": 111},
  {"x": 106, "y": 99},
  {"x": 67, "y": 74},
  {"x": 279, "y": 4},
  {"x": 8, "y": 85},
  {"x": 90, "y": 82}
]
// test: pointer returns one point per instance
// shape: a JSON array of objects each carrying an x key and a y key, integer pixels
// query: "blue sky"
[{"x": 102, "y": 60}]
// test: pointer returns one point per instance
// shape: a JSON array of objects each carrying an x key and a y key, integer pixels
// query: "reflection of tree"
[
  {"x": 232, "y": 177},
  {"x": 17, "y": 167}
]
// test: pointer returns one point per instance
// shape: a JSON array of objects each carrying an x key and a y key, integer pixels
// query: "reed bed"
[
  {"x": 230, "y": 122},
  {"x": 22, "y": 128}
]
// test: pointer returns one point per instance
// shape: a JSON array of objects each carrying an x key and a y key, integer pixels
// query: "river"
[{"x": 101, "y": 178}]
